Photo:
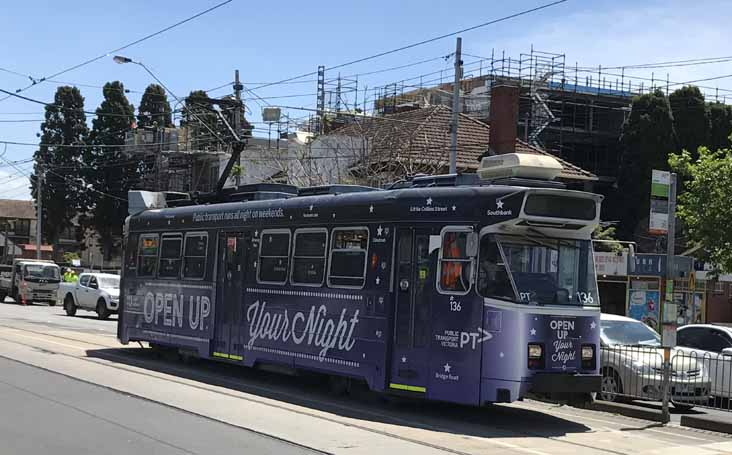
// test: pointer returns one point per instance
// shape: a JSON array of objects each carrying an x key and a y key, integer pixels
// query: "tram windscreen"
[{"x": 549, "y": 271}]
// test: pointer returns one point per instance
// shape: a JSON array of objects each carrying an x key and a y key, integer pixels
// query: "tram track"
[{"x": 133, "y": 364}]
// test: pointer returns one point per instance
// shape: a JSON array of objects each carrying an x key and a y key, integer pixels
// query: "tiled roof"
[
  {"x": 423, "y": 136},
  {"x": 11, "y": 208}
]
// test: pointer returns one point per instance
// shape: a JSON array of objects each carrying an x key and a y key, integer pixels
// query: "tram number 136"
[
  {"x": 585, "y": 298},
  {"x": 455, "y": 305}
]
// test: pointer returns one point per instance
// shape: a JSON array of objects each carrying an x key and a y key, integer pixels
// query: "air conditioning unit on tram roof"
[{"x": 522, "y": 165}]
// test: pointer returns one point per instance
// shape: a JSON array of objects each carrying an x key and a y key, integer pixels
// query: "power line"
[
  {"x": 430, "y": 40},
  {"x": 32, "y": 100},
  {"x": 133, "y": 43}
]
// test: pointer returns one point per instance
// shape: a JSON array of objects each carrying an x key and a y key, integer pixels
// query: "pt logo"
[{"x": 474, "y": 338}]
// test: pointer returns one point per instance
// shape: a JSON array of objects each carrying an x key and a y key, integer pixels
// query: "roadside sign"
[{"x": 660, "y": 187}]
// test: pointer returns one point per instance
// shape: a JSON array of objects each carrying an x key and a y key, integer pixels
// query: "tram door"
[
  {"x": 415, "y": 283},
  {"x": 228, "y": 312}
]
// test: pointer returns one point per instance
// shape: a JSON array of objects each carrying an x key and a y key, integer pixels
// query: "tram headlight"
[
  {"x": 588, "y": 357},
  {"x": 536, "y": 356}
]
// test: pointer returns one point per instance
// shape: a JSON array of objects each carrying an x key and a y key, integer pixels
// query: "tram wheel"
[{"x": 339, "y": 385}]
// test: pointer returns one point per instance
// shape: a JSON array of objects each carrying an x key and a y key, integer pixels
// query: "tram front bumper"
[{"x": 551, "y": 383}]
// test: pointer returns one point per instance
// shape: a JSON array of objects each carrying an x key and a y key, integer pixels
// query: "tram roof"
[{"x": 427, "y": 203}]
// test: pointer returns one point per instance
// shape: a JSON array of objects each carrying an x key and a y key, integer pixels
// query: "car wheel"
[
  {"x": 102, "y": 311},
  {"x": 69, "y": 305},
  {"x": 611, "y": 386},
  {"x": 51, "y": 303}
]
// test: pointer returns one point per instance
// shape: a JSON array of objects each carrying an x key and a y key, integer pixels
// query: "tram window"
[
  {"x": 274, "y": 256},
  {"x": 347, "y": 267},
  {"x": 455, "y": 264},
  {"x": 493, "y": 280},
  {"x": 194, "y": 255},
  {"x": 170, "y": 248},
  {"x": 308, "y": 257},
  {"x": 147, "y": 255}
]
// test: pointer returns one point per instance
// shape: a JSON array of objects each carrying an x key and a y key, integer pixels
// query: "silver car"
[{"x": 632, "y": 366}]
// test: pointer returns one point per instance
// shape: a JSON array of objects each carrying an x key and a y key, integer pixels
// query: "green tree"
[
  {"x": 63, "y": 136},
  {"x": 705, "y": 206},
  {"x": 647, "y": 138},
  {"x": 201, "y": 120},
  {"x": 720, "y": 117},
  {"x": 691, "y": 119},
  {"x": 109, "y": 170},
  {"x": 154, "y": 110}
]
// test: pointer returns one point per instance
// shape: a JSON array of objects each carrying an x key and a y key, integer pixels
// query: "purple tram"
[{"x": 470, "y": 289}]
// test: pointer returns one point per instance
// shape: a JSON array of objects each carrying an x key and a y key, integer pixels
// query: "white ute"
[{"x": 93, "y": 292}]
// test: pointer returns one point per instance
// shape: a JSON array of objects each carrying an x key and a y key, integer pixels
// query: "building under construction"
[
  {"x": 573, "y": 112},
  {"x": 172, "y": 159}
]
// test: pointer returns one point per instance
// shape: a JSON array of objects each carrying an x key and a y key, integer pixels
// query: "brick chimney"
[{"x": 503, "y": 118}]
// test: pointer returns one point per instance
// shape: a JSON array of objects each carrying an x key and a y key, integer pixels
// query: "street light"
[{"x": 121, "y": 60}]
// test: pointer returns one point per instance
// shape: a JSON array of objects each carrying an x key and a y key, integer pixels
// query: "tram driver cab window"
[
  {"x": 493, "y": 280},
  {"x": 455, "y": 263},
  {"x": 147, "y": 257}
]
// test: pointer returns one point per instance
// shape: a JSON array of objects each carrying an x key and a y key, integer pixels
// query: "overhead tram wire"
[
  {"x": 72, "y": 182},
  {"x": 133, "y": 43},
  {"x": 32, "y": 100},
  {"x": 420, "y": 43}
]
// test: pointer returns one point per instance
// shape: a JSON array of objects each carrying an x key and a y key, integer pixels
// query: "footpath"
[{"x": 710, "y": 419}]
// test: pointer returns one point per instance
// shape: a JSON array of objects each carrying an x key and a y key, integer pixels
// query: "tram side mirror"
[{"x": 471, "y": 245}]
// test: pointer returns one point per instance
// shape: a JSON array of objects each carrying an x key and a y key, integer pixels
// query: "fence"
[{"x": 683, "y": 377}]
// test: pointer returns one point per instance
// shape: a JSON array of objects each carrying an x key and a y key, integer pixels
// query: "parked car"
[
  {"x": 711, "y": 345},
  {"x": 92, "y": 292},
  {"x": 632, "y": 366}
]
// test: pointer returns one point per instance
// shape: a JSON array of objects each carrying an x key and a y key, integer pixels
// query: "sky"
[{"x": 270, "y": 42}]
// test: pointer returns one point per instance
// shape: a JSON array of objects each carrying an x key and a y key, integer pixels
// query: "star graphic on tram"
[
  {"x": 378, "y": 280},
  {"x": 593, "y": 325},
  {"x": 311, "y": 207},
  {"x": 371, "y": 209},
  {"x": 533, "y": 332},
  {"x": 404, "y": 360},
  {"x": 501, "y": 355},
  {"x": 499, "y": 204},
  {"x": 454, "y": 208},
  {"x": 379, "y": 231},
  {"x": 447, "y": 367},
  {"x": 429, "y": 201}
]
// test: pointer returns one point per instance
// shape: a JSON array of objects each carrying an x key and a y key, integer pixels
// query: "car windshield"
[
  {"x": 628, "y": 333},
  {"x": 547, "y": 270},
  {"x": 42, "y": 271},
  {"x": 109, "y": 282}
]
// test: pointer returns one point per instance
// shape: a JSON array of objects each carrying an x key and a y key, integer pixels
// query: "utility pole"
[
  {"x": 39, "y": 215},
  {"x": 455, "y": 106},
  {"x": 238, "y": 117},
  {"x": 5, "y": 248},
  {"x": 670, "y": 312}
]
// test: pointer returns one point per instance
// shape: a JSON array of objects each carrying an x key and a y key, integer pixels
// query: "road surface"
[{"x": 300, "y": 409}]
